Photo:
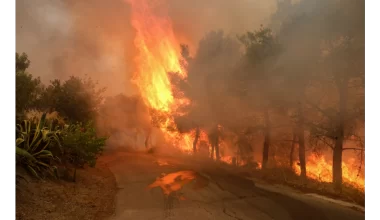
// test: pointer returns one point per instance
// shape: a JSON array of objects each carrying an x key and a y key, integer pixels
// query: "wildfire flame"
[
  {"x": 319, "y": 168},
  {"x": 159, "y": 55}
]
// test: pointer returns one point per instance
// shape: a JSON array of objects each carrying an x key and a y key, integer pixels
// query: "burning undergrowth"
[
  {"x": 251, "y": 101},
  {"x": 225, "y": 99}
]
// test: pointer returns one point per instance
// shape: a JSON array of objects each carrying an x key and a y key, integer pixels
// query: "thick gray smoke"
[
  {"x": 64, "y": 38},
  {"x": 193, "y": 19},
  {"x": 307, "y": 32},
  {"x": 95, "y": 38},
  {"x": 68, "y": 37}
]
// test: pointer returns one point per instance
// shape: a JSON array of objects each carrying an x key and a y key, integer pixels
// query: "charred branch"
[{"x": 323, "y": 139}]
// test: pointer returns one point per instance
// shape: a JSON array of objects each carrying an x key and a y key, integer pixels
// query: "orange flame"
[
  {"x": 159, "y": 54},
  {"x": 320, "y": 169}
]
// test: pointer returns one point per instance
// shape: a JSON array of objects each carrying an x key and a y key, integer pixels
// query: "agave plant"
[{"x": 32, "y": 146}]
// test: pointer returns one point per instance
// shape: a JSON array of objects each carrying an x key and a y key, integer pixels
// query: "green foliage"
[
  {"x": 22, "y": 62},
  {"x": 33, "y": 146},
  {"x": 258, "y": 79},
  {"x": 28, "y": 88},
  {"x": 260, "y": 45},
  {"x": 38, "y": 137},
  {"x": 76, "y": 99},
  {"x": 81, "y": 144}
]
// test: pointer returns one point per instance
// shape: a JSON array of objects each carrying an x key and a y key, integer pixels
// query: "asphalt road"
[{"x": 158, "y": 187}]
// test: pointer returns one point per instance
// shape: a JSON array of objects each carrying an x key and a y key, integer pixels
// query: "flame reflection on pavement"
[{"x": 173, "y": 182}]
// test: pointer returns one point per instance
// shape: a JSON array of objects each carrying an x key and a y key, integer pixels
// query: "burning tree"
[
  {"x": 272, "y": 88},
  {"x": 205, "y": 86},
  {"x": 325, "y": 72},
  {"x": 261, "y": 51},
  {"x": 343, "y": 62},
  {"x": 340, "y": 115},
  {"x": 294, "y": 72}
]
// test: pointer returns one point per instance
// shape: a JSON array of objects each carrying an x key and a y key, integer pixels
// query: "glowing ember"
[{"x": 320, "y": 169}]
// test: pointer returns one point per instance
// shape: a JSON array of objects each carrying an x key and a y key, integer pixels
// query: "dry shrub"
[{"x": 35, "y": 116}]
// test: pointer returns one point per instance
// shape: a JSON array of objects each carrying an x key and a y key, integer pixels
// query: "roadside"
[
  {"x": 288, "y": 179},
  {"x": 292, "y": 192},
  {"x": 182, "y": 187},
  {"x": 90, "y": 197},
  {"x": 219, "y": 191}
]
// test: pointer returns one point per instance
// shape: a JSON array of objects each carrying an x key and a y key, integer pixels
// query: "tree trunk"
[
  {"x": 212, "y": 150},
  {"x": 266, "y": 140},
  {"x": 338, "y": 148},
  {"x": 301, "y": 142},
  {"x": 135, "y": 138},
  {"x": 301, "y": 152},
  {"x": 147, "y": 138},
  {"x": 291, "y": 156},
  {"x": 337, "y": 164},
  {"x": 214, "y": 140},
  {"x": 217, "y": 145},
  {"x": 196, "y": 140}
]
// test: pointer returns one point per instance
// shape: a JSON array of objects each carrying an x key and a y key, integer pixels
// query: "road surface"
[{"x": 159, "y": 187}]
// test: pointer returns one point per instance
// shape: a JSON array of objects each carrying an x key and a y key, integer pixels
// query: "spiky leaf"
[{"x": 23, "y": 153}]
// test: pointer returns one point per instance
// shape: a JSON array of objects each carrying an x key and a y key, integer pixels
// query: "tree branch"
[
  {"x": 325, "y": 142},
  {"x": 288, "y": 141},
  {"x": 321, "y": 110},
  {"x": 353, "y": 148}
]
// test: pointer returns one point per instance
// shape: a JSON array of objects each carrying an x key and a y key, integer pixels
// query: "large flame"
[
  {"x": 158, "y": 55},
  {"x": 317, "y": 167}
]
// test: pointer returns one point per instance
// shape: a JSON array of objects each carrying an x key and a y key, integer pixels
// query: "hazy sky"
[{"x": 68, "y": 37}]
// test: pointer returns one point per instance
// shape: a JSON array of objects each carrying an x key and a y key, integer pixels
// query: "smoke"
[
  {"x": 95, "y": 38},
  {"x": 305, "y": 30},
  {"x": 125, "y": 120},
  {"x": 64, "y": 38},
  {"x": 193, "y": 19},
  {"x": 67, "y": 37}
]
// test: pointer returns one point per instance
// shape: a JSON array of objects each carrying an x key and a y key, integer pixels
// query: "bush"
[
  {"x": 81, "y": 144},
  {"x": 76, "y": 99},
  {"x": 33, "y": 142},
  {"x": 28, "y": 88}
]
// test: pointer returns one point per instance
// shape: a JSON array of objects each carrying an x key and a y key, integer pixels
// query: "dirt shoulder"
[
  {"x": 349, "y": 193},
  {"x": 90, "y": 197},
  {"x": 287, "y": 178}
]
